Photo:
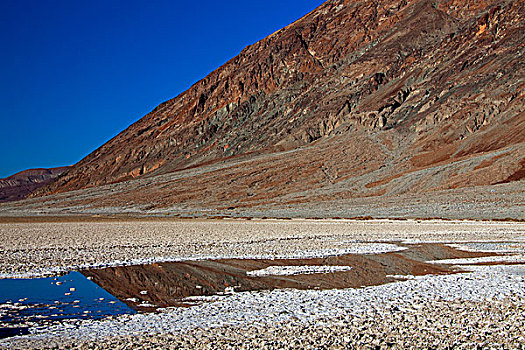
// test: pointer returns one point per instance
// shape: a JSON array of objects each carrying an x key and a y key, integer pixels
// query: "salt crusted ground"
[
  {"x": 44, "y": 248},
  {"x": 484, "y": 307}
]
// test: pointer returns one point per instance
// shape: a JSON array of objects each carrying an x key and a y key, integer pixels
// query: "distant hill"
[{"x": 19, "y": 185}]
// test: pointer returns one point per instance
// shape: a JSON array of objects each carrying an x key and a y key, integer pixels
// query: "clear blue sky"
[{"x": 74, "y": 74}]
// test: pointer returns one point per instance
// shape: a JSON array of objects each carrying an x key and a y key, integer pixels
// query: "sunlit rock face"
[{"x": 374, "y": 98}]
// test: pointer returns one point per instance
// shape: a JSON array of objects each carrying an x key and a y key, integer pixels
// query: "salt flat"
[
  {"x": 425, "y": 311},
  {"x": 47, "y": 248}
]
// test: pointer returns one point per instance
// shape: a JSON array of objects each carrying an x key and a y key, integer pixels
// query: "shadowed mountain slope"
[
  {"x": 19, "y": 185},
  {"x": 356, "y": 99}
]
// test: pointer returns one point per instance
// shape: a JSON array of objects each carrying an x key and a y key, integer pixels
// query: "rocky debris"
[
  {"x": 330, "y": 195},
  {"x": 356, "y": 99},
  {"x": 19, "y": 185}
]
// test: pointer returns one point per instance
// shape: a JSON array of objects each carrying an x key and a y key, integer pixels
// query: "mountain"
[
  {"x": 19, "y": 185},
  {"x": 356, "y": 99}
]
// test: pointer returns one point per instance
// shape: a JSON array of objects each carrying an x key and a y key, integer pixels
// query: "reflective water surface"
[
  {"x": 29, "y": 302},
  {"x": 99, "y": 293}
]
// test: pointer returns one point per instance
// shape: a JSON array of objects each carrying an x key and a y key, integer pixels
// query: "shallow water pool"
[{"x": 30, "y": 302}]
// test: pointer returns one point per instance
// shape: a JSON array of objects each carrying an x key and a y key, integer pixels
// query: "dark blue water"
[{"x": 33, "y": 301}]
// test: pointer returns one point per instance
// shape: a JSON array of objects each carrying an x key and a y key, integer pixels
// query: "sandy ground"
[{"x": 420, "y": 312}]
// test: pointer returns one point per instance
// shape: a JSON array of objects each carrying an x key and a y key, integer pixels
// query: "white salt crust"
[
  {"x": 296, "y": 270},
  {"x": 269, "y": 307}
]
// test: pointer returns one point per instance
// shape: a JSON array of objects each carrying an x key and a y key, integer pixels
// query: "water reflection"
[
  {"x": 147, "y": 287},
  {"x": 29, "y": 302},
  {"x": 26, "y": 303}
]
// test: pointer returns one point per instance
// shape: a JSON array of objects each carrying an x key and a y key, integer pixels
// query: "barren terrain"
[
  {"x": 52, "y": 247},
  {"x": 356, "y": 100},
  {"x": 378, "y": 315},
  {"x": 357, "y": 176}
]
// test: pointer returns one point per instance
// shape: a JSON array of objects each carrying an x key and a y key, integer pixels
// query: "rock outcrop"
[{"x": 357, "y": 98}]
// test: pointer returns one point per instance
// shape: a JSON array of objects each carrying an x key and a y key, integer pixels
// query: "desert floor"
[{"x": 485, "y": 305}]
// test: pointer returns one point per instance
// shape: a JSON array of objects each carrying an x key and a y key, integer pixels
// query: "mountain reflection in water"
[{"x": 147, "y": 287}]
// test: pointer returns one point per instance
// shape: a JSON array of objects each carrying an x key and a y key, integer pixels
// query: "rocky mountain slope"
[
  {"x": 356, "y": 99},
  {"x": 19, "y": 185}
]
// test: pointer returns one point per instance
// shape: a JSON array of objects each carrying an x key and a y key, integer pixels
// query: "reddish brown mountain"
[
  {"x": 19, "y": 185},
  {"x": 356, "y": 99}
]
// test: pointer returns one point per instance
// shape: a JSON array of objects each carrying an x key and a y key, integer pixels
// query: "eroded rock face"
[
  {"x": 19, "y": 185},
  {"x": 397, "y": 86}
]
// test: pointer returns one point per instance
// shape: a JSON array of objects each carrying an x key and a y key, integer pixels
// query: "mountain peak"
[{"x": 374, "y": 96}]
